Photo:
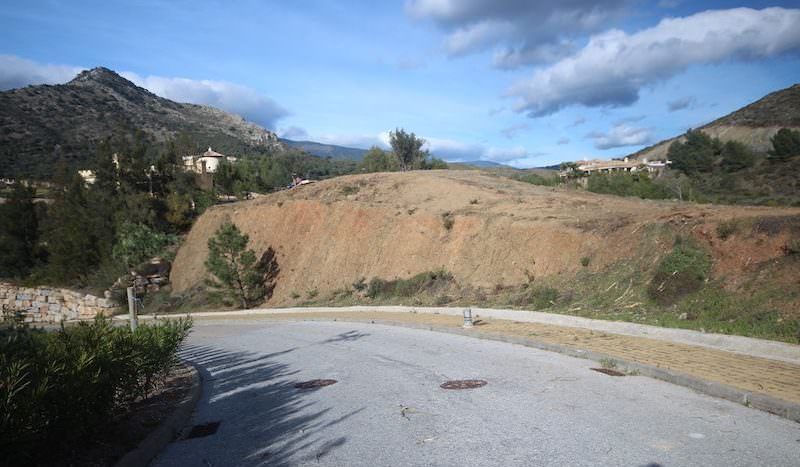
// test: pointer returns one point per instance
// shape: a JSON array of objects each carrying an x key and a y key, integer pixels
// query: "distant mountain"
[
  {"x": 326, "y": 150},
  {"x": 483, "y": 164},
  {"x": 42, "y": 124},
  {"x": 752, "y": 125}
]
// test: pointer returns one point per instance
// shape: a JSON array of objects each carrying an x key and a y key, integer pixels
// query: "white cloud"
[
  {"x": 513, "y": 130},
  {"x": 611, "y": 69},
  {"x": 621, "y": 135},
  {"x": 230, "y": 97},
  {"x": 16, "y": 72},
  {"x": 522, "y": 31}
]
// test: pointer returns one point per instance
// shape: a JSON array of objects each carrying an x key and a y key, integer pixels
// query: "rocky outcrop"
[{"x": 53, "y": 305}]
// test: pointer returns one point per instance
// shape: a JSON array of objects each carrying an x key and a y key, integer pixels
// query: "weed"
[
  {"x": 727, "y": 228},
  {"x": 448, "y": 220},
  {"x": 431, "y": 282},
  {"x": 313, "y": 293},
  {"x": 682, "y": 271},
  {"x": 294, "y": 295},
  {"x": 360, "y": 285},
  {"x": 473, "y": 201},
  {"x": 792, "y": 247},
  {"x": 608, "y": 363},
  {"x": 350, "y": 190},
  {"x": 585, "y": 261}
]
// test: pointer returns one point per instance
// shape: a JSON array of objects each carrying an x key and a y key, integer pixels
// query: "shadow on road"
[{"x": 264, "y": 418}]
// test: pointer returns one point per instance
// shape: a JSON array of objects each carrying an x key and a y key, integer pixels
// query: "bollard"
[
  {"x": 467, "y": 317},
  {"x": 132, "y": 309}
]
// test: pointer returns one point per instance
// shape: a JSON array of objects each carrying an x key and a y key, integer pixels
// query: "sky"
[{"x": 524, "y": 83}]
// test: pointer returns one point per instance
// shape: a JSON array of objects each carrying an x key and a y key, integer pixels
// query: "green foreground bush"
[
  {"x": 59, "y": 388},
  {"x": 683, "y": 271}
]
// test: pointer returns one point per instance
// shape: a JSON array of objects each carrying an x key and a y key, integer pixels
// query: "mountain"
[
  {"x": 42, "y": 124},
  {"x": 326, "y": 150},
  {"x": 752, "y": 125}
]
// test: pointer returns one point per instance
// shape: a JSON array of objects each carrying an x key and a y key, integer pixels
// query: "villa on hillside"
[
  {"x": 589, "y": 167},
  {"x": 208, "y": 162}
]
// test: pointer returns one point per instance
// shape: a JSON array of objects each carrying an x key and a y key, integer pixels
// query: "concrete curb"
[
  {"x": 771, "y": 350},
  {"x": 169, "y": 429},
  {"x": 781, "y": 408}
]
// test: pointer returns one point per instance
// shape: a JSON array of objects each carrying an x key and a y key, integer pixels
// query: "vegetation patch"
[
  {"x": 684, "y": 270},
  {"x": 431, "y": 282},
  {"x": 59, "y": 389}
]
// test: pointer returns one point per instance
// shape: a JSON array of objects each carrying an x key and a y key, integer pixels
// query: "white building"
[{"x": 208, "y": 162}]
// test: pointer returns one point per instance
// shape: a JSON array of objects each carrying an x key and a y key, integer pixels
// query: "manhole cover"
[
  {"x": 315, "y": 383},
  {"x": 609, "y": 371},
  {"x": 463, "y": 384},
  {"x": 200, "y": 431}
]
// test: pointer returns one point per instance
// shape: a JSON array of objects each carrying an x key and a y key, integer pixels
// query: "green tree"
[
  {"x": 407, "y": 148},
  {"x": 698, "y": 154},
  {"x": 785, "y": 145},
  {"x": 378, "y": 160},
  {"x": 238, "y": 274},
  {"x": 138, "y": 242},
  {"x": 736, "y": 156},
  {"x": 19, "y": 233}
]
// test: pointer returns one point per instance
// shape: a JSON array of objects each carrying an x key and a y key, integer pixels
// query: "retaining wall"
[{"x": 52, "y": 305}]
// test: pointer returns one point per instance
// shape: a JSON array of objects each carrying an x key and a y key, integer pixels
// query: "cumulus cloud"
[
  {"x": 611, "y": 69},
  {"x": 621, "y": 135},
  {"x": 16, "y": 72},
  {"x": 230, "y": 97},
  {"x": 522, "y": 31},
  {"x": 682, "y": 103}
]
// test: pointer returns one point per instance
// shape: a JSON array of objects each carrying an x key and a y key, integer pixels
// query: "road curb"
[
  {"x": 169, "y": 429},
  {"x": 763, "y": 402}
]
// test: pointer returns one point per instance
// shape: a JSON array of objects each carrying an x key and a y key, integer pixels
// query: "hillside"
[
  {"x": 41, "y": 124},
  {"x": 326, "y": 150},
  {"x": 505, "y": 242},
  {"x": 752, "y": 125}
]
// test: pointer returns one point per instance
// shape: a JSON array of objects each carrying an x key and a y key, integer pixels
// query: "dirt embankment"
[{"x": 488, "y": 231}]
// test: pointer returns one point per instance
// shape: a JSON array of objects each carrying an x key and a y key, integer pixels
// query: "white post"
[
  {"x": 467, "y": 317},
  {"x": 132, "y": 309}
]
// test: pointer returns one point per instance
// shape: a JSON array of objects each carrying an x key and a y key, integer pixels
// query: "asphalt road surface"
[{"x": 387, "y": 408}]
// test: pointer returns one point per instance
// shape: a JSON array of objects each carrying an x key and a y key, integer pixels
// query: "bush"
[
  {"x": 431, "y": 281},
  {"x": 58, "y": 388},
  {"x": 537, "y": 297},
  {"x": 627, "y": 184},
  {"x": 684, "y": 270},
  {"x": 137, "y": 243}
]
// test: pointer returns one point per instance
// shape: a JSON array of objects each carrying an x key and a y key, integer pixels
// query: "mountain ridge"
[{"x": 42, "y": 124}]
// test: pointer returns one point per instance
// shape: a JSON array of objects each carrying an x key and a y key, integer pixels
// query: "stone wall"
[{"x": 52, "y": 305}]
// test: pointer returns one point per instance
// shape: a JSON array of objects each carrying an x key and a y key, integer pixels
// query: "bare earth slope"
[{"x": 488, "y": 231}]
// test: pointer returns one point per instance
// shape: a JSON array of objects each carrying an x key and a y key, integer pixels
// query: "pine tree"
[{"x": 237, "y": 273}]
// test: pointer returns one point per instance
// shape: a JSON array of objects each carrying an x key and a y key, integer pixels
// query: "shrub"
[
  {"x": 430, "y": 282},
  {"x": 684, "y": 270},
  {"x": 448, "y": 220},
  {"x": 58, "y": 388},
  {"x": 585, "y": 261},
  {"x": 627, "y": 184},
  {"x": 727, "y": 228},
  {"x": 537, "y": 297},
  {"x": 137, "y": 242}
]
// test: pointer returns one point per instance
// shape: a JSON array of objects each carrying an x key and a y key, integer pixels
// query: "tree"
[
  {"x": 407, "y": 148},
  {"x": 736, "y": 156},
  {"x": 378, "y": 160},
  {"x": 238, "y": 274},
  {"x": 19, "y": 235},
  {"x": 785, "y": 145},
  {"x": 696, "y": 155},
  {"x": 138, "y": 242}
]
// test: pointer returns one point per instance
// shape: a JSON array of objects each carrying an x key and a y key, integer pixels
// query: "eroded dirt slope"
[{"x": 488, "y": 231}]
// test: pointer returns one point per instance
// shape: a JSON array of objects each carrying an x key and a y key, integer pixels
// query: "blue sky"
[{"x": 520, "y": 82}]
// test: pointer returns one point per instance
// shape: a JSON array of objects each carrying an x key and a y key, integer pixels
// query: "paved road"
[{"x": 539, "y": 408}]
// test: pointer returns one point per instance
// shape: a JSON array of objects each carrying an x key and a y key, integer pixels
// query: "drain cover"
[
  {"x": 609, "y": 371},
  {"x": 200, "y": 431},
  {"x": 315, "y": 383},
  {"x": 463, "y": 384}
]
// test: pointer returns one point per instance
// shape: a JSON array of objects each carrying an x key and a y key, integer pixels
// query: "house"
[
  {"x": 589, "y": 167},
  {"x": 208, "y": 162}
]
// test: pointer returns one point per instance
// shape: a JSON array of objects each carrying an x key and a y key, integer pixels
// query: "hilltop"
[
  {"x": 504, "y": 242},
  {"x": 752, "y": 125},
  {"x": 41, "y": 124}
]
